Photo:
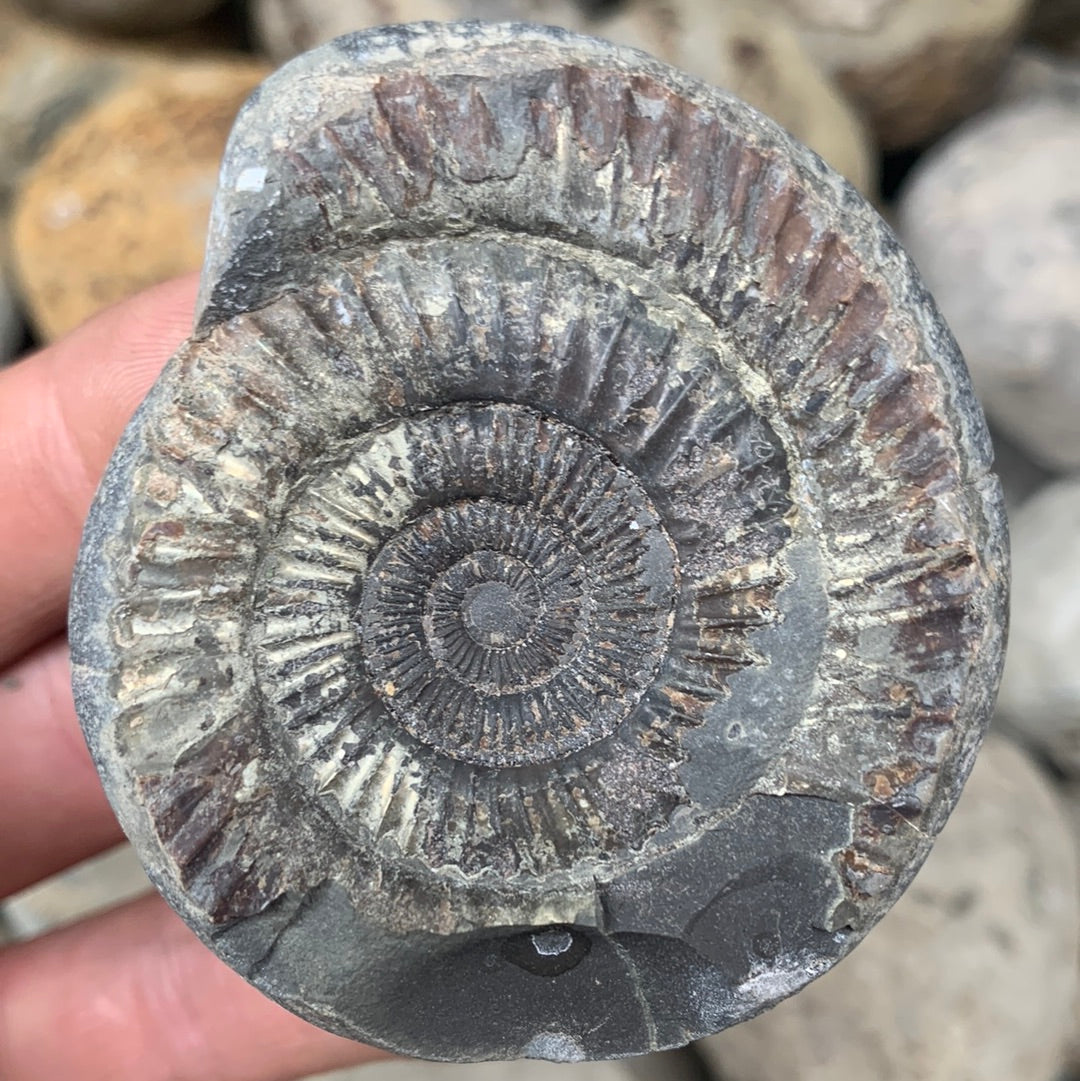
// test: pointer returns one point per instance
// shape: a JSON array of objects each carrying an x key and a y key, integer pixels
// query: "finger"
[
  {"x": 53, "y": 810},
  {"x": 134, "y": 996},
  {"x": 61, "y": 414}
]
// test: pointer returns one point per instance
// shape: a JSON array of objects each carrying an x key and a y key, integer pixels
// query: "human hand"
[{"x": 131, "y": 994}]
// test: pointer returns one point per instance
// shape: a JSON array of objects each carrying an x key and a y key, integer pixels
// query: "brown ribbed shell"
[{"x": 552, "y": 602}]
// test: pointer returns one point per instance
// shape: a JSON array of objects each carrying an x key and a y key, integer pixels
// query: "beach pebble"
[
  {"x": 1040, "y": 690},
  {"x": 1070, "y": 793},
  {"x": 913, "y": 67},
  {"x": 992, "y": 217},
  {"x": 47, "y": 77},
  {"x": 970, "y": 977},
  {"x": 1034, "y": 72},
  {"x": 122, "y": 198},
  {"x": 285, "y": 28}
]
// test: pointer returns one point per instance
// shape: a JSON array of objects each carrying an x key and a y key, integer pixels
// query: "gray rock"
[
  {"x": 286, "y": 28},
  {"x": 1070, "y": 795},
  {"x": 992, "y": 217},
  {"x": 553, "y": 601},
  {"x": 1034, "y": 72},
  {"x": 1040, "y": 689},
  {"x": 973, "y": 974},
  {"x": 80, "y": 891}
]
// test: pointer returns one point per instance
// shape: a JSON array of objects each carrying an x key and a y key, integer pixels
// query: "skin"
[{"x": 131, "y": 993}]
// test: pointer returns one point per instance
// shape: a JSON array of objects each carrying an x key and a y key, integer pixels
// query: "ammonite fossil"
[{"x": 553, "y": 600}]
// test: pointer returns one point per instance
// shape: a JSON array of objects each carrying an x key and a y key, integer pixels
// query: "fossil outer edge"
[{"x": 554, "y": 600}]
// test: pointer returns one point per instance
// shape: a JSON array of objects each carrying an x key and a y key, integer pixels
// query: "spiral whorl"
[{"x": 561, "y": 576}]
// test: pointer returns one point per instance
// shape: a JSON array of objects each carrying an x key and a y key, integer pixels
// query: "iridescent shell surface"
[{"x": 554, "y": 599}]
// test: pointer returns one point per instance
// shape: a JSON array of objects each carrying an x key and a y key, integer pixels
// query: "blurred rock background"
[{"x": 960, "y": 120}]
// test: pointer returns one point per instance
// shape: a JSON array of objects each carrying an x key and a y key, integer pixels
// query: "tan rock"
[
  {"x": 755, "y": 53},
  {"x": 79, "y": 891},
  {"x": 973, "y": 974},
  {"x": 992, "y": 217},
  {"x": 285, "y": 28},
  {"x": 46, "y": 78},
  {"x": 49, "y": 75},
  {"x": 913, "y": 67},
  {"x": 128, "y": 16},
  {"x": 122, "y": 198}
]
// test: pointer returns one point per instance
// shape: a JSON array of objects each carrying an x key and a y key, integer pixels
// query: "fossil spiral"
[{"x": 555, "y": 597}]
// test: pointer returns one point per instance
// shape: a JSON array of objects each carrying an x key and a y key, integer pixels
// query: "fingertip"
[
  {"x": 139, "y": 997},
  {"x": 51, "y": 803},
  {"x": 105, "y": 367},
  {"x": 62, "y": 411}
]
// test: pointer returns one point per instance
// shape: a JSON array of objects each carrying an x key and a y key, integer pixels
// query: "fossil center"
[
  {"x": 493, "y": 599},
  {"x": 522, "y": 615},
  {"x": 495, "y": 614}
]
